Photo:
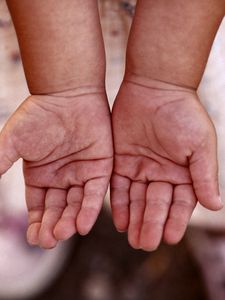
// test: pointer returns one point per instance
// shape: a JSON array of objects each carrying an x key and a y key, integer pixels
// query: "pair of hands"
[{"x": 164, "y": 161}]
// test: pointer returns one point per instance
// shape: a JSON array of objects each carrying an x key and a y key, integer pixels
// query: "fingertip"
[
  {"x": 212, "y": 203},
  {"x": 83, "y": 230},
  {"x": 83, "y": 224},
  {"x": 134, "y": 241},
  {"x": 171, "y": 237},
  {"x": 46, "y": 240},
  {"x": 149, "y": 247},
  {"x": 221, "y": 205},
  {"x": 218, "y": 203},
  {"x": 64, "y": 230},
  {"x": 204, "y": 173},
  {"x": 32, "y": 234},
  {"x": 150, "y": 237},
  {"x": 121, "y": 222},
  {"x": 121, "y": 230}
]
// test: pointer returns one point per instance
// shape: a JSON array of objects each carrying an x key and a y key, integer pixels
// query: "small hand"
[
  {"x": 165, "y": 160},
  {"x": 67, "y": 149}
]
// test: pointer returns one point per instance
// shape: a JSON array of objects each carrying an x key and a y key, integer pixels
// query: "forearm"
[
  {"x": 61, "y": 43},
  {"x": 170, "y": 41}
]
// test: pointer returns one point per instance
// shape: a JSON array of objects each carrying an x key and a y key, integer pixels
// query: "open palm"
[
  {"x": 66, "y": 146},
  {"x": 165, "y": 160}
]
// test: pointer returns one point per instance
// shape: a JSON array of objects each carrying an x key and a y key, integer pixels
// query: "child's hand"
[
  {"x": 165, "y": 160},
  {"x": 67, "y": 149}
]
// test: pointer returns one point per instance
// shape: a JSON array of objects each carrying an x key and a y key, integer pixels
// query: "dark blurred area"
[{"x": 102, "y": 266}]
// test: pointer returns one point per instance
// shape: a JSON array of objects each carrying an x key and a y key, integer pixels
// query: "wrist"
[
  {"x": 153, "y": 83},
  {"x": 80, "y": 91},
  {"x": 89, "y": 79}
]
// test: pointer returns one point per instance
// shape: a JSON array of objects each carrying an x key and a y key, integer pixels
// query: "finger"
[
  {"x": 184, "y": 202},
  {"x": 137, "y": 208},
  {"x": 94, "y": 193},
  {"x": 8, "y": 153},
  {"x": 55, "y": 202},
  {"x": 66, "y": 226},
  {"x": 204, "y": 173},
  {"x": 120, "y": 199},
  {"x": 158, "y": 201},
  {"x": 35, "y": 199}
]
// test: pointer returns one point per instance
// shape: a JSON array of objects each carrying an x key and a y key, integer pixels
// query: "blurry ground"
[{"x": 102, "y": 266}]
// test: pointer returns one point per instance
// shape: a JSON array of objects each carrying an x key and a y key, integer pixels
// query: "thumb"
[
  {"x": 8, "y": 153},
  {"x": 204, "y": 173}
]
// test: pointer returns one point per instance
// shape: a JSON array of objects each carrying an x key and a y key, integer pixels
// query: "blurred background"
[{"x": 102, "y": 266}]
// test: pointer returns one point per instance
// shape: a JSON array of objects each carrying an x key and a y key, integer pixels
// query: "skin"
[
  {"x": 67, "y": 162},
  {"x": 60, "y": 43},
  {"x": 170, "y": 41},
  {"x": 165, "y": 160},
  {"x": 159, "y": 174},
  {"x": 63, "y": 130},
  {"x": 165, "y": 142}
]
